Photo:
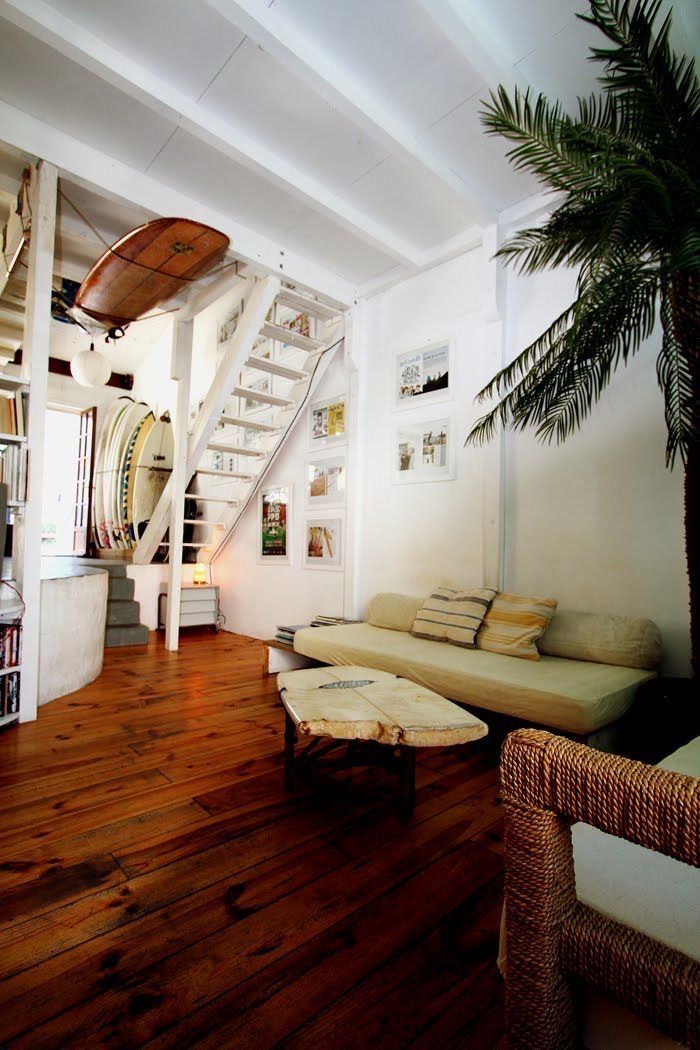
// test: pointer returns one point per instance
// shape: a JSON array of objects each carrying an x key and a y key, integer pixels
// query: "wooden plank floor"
[{"x": 158, "y": 886}]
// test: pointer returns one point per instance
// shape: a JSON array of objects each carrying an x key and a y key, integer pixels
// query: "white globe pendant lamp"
[{"x": 89, "y": 368}]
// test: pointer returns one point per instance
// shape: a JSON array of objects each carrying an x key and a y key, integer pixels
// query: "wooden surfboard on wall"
[{"x": 148, "y": 266}]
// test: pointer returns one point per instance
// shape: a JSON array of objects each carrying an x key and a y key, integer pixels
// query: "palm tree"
[{"x": 626, "y": 171}]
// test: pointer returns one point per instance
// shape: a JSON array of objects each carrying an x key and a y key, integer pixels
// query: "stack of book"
[
  {"x": 9, "y": 694},
  {"x": 10, "y": 645},
  {"x": 13, "y": 412},
  {"x": 286, "y": 634},
  {"x": 13, "y": 471},
  {"x": 330, "y": 621}
]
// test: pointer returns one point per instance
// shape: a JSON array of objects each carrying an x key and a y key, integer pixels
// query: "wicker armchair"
[{"x": 553, "y": 940}]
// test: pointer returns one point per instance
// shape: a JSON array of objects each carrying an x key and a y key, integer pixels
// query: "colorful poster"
[
  {"x": 328, "y": 421},
  {"x": 422, "y": 451},
  {"x": 323, "y": 543},
  {"x": 423, "y": 374},
  {"x": 274, "y": 517},
  {"x": 325, "y": 481}
]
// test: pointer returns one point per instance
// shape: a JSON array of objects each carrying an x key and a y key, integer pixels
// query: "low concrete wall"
[{"x": 73, "y": 614}]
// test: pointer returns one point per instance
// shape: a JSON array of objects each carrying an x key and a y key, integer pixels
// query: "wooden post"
[
  {"x": 180, "y": 370},
  {"x": 37, "y": 328}
]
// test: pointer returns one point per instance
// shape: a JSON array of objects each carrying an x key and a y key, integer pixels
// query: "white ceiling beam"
[
  {"x": 112, "y": 178},
  {"x": 467, "y": 25},
  {"x": 288, "y": 45},
  {"x": 72, "y": 40}
]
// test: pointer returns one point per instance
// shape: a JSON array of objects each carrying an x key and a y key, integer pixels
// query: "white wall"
[
  {"x": 413, "y": 535},
  {"x": 598, "y": 521}
]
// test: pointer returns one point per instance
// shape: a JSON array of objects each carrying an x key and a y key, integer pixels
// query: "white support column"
[
  {"x": 35, "y": 365},
  {"x": 355, "y": 359},
  {"x": 180, "y": 370},
  {"x": 494, "y": 453}
]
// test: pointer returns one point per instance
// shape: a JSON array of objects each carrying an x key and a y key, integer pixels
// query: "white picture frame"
[
  {"x": 228, "y": 326},
  {"x": 325, "y": 480},
  {"x": 323, "y": 541},
  {"x": 328, "y": 422},
  {"x": 423, "y": 450},
  {"x": 423, "y": 375},
  {"x": 269, "y": 497}
]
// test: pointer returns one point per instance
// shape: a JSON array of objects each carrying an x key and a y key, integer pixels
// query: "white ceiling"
[{"x": 342, "y": 134}]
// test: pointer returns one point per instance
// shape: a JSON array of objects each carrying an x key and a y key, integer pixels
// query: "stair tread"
[
  {"x": 276, "y": 368},
  {"x": 284, "y": 335},
  {"x": 265, "y": 399},
  {"x": 235, "y": 450},
  {"x": 224, "y": 474},
  {"x": 249, "y": 424},
  {"x": 212, "y": 499},
  {"x": 125, "y": 634},
  {"x": 302, "y": 303}
]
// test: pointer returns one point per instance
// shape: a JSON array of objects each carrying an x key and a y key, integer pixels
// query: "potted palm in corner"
[{"x": 627, "y": 172}]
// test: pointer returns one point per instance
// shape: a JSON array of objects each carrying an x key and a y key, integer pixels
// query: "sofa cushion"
[
  {"x": 625, "y": 641},
  {"x": 450, "y": 615},
  {"x": 568, "y": 695},
  {"x": 514, "y": 623},
  {"x": 396, "y": 612}
]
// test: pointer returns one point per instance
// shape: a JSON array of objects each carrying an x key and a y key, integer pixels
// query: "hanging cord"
[
  {"x": 18, "y": 619},
  {"x": 80, "y": 215}
]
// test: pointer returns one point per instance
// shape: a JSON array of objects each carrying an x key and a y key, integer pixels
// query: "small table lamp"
[{"x": 199, "y": 573}]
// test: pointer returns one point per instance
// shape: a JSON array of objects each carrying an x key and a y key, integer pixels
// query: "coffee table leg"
[
  {"x": 407, "y": 773},
  {"x": 290, "y": 737}
]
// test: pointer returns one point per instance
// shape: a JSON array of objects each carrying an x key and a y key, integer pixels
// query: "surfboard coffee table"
[{"x": 352, "y": 704}]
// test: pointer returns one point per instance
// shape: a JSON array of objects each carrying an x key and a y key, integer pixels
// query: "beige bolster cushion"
[
  {"x": 625, "y": 641},
  {"x": 395, "y": 612}
]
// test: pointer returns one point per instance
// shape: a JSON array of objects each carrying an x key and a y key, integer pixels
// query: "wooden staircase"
[{"x": 233, "y": 441}]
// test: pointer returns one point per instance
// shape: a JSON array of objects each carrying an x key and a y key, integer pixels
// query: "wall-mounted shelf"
[
  {"x": 6, "y": 719},
  {"x": 9, "y": 670},
  {"x": 12, "y": 383},
  {"x": 15, "y": 502},
  {"x": 12, "y": 439}
]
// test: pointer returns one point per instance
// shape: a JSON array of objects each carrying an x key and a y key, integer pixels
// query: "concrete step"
[
  {"x": 114, "y": 568},
  {"x": 133, "y": 634},
  {"x": 121, "y": 587},
  {"x": 123, "y": 612}
]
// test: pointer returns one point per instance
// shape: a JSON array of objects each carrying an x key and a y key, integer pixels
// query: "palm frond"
[
  {"x": 654, "y": 87},
  {"x": 681, "y": 408},
  {"x": 607, "y": 324}
]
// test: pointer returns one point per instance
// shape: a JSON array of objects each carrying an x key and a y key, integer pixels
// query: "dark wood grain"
[{"x": 160, "y": 887}]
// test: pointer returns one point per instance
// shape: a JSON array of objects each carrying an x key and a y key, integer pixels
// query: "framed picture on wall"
[
  {"x": 422, "y": 376},
  {"x": 274, "y": 520},
  {"x": 261, "y": 384},
  {"x": 328, "y": 422},
  {"x": 228, "y": 326},
  {"x": 423, "y": 451},
  {"x": 325, "y": 480},
  {"x": 323, "y": 543}
]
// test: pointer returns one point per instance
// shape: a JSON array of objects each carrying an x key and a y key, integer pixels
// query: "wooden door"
[{"x": 82, "y": 537}]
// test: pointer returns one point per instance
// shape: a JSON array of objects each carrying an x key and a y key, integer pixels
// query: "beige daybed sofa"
[{"x": 589, "y": 671}]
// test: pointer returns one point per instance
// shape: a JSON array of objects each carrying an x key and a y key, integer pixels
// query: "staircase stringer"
[
  {"x": 229, "y": 521},
  {"x": 252, "y": 319}
]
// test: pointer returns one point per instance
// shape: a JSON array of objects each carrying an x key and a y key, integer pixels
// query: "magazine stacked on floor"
[
  {"x": 286, "y": 634},
  {"x": 330, "y": 621}
]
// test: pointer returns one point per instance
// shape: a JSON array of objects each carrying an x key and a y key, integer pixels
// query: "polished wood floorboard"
[{"x": 160, "y": 888}]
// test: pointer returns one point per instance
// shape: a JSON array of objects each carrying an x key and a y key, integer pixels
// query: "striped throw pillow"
[
  {"x": 453, "y": 616},
  {"x": 514, "y": 623}
]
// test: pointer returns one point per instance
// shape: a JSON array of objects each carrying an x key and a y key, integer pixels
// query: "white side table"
[{"x": 199, "y": 605}]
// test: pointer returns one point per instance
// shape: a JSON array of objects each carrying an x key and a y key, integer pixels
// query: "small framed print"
[
  {"x": 323, "y": 543},
  {"x": 423, "y": 451},
  {"x": 274, "y": 520},
  {"x": 328, "y": 422},
  {"x": 228, "y": 326},
  {"x": 260, "y": 385},
  {"x": 422, "y": 376},
  {"x": 325, "y": 481}
]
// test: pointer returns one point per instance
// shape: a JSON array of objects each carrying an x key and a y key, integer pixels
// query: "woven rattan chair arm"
[
  {"x": 644, "y": 804},
  {"x": 652, "y": 980}
]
